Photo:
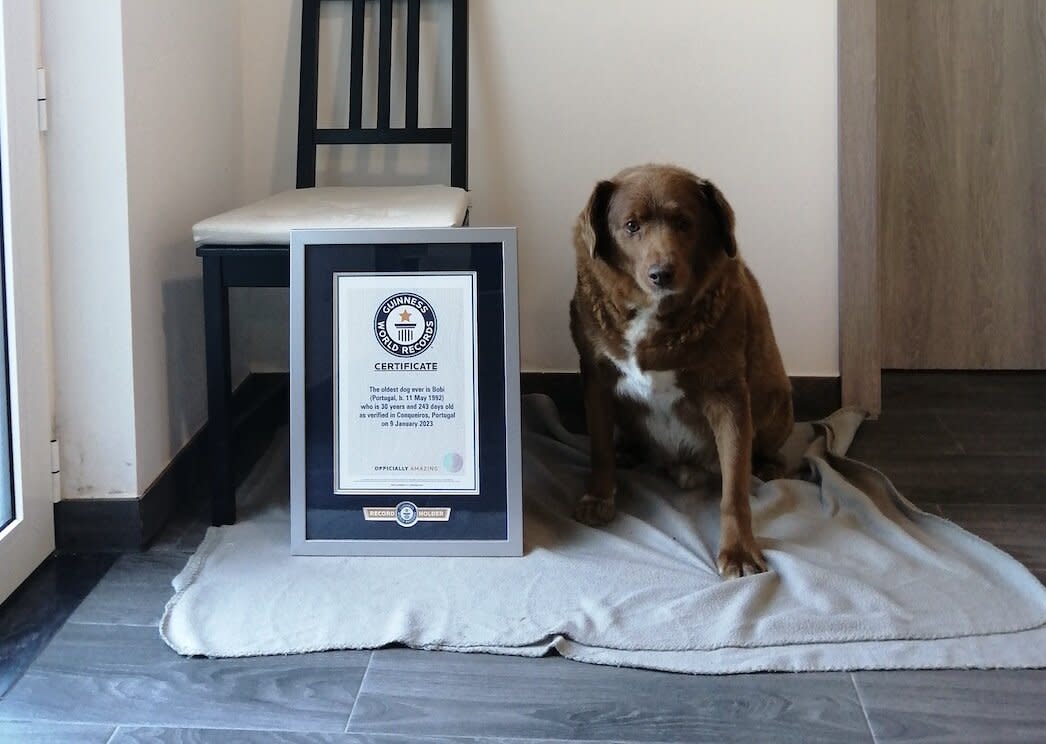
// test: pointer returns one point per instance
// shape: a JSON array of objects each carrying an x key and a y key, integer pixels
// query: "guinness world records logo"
[
  {"x": 405, "y": 324},
  {"x": 406, "y": 514}
]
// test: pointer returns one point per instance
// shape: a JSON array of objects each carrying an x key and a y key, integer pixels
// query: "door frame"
[
  {"x": 29, "y": 539},
  {"x": 860, "y": 352}
]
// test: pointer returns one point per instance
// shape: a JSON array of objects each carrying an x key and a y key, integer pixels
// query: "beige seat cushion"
[{"x": 271, "y": 220}]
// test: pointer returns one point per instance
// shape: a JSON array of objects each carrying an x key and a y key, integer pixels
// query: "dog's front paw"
[
  {"x": 594, "y": 511},
  {"x": 740, "y": 558}
]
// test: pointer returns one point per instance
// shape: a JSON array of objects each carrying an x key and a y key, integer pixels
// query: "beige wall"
[
  {"x": 184, "y": 163},
  {"x": 564, "y": 93},
  {"x": 199, "y": 114},
  {"x": 88, "y": 236},
  {"x": 144, "y": 140}
]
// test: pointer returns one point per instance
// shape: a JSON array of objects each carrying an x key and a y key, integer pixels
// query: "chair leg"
[{"x": 219, "y": 392}]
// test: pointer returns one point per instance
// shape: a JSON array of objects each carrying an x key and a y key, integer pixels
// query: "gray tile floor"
[{"x": 969, "y": 447}]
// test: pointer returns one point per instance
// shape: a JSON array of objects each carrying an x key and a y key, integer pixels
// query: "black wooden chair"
[{"x": 249, "y": 247}]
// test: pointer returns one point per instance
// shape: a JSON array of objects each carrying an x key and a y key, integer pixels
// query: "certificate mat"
[
  {"x": 405, "y": 431},
  {"x": 406, "y": 402}
]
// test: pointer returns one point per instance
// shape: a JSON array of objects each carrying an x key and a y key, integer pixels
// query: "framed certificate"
[{"x": 405, "y": 392}]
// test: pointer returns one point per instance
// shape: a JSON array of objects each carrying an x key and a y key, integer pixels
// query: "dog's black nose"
[{"x": 660, "y": 275}]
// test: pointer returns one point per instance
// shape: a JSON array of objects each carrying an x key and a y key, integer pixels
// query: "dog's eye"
[{"x": 632, "y": 226}]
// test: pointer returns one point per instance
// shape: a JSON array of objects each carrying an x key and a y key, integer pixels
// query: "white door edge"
[{"x": 29, "y": 539}]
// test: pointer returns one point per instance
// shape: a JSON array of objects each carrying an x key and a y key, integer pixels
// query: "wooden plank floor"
[{"x": 968, "y": 447}]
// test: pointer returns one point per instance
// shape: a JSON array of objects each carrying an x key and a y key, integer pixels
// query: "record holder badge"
[{"x": 405, "y": 392}]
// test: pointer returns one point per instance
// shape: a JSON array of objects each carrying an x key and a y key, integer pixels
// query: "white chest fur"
[{"x": 658, "y": 391}]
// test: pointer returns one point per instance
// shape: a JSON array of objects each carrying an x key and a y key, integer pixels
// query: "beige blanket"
[{"x": 859, "y": 578}]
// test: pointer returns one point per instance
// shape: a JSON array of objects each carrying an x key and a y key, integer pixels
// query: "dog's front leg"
[
  {"x": 730, "y": 417},
  {"x": 597, "y": 505}
]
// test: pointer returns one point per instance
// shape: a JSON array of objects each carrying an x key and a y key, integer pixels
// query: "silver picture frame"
[{"x": 300, "y": 543}]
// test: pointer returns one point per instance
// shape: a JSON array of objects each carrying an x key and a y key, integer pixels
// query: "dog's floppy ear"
[
  {"x": 592, "y": 222},
  {"x": 724, "y": 215}
]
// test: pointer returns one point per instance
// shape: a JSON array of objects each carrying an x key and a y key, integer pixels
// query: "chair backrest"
[{"x": 310, "y": 135}]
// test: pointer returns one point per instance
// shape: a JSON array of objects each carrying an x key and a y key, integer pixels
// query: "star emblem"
[{"x": 405, "y": 316}]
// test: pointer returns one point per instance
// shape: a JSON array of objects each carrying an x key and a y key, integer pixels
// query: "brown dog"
[{"x": 677, "y": 352}]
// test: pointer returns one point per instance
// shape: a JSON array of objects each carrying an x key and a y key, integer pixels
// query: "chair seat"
[{"x": 271, "y": 220}]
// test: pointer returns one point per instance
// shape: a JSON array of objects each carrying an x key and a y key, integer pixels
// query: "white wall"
[
  {"x": 87, "y": 189},
  {"x": 184, "y": 126},
  {"x": 145, "y": 140},
  {"x": 565, "y": 93},
  {"x": 270, "y": 31},
  {"x": 164, "y": 113}
]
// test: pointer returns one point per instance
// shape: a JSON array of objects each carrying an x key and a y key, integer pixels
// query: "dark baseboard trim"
[
  {"x": 816, "y": 397},
  {"x": 813, "y": 397},
  {"x": 119, "y": 525}
]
